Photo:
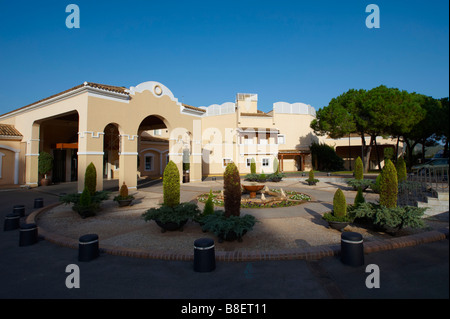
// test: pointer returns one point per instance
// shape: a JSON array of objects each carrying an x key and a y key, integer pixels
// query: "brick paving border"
[{"x": 309, "y": 253}]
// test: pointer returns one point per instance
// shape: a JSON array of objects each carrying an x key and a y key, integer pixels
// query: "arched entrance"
[
  {"x": 153, "y": 147},
  {"x": 111, "y": 144},
  {"x": 58, "y": 136}
]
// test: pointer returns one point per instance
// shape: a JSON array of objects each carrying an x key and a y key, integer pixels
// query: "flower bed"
[{"x": 292, "y": 198}]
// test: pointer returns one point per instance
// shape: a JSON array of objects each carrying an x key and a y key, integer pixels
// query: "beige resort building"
[{"x": 132, "y": 133}]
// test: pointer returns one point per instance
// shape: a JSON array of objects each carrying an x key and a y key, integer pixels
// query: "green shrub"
[
  {"x": 325, "y": 158},
  {"x": 389, "y": 185},
  {"x": 376, "y": 186},
  {"x": 395, "y": 217},
  {"x": 176, "y": 214},
  {"x": 359, "y": 183},
  {"x": 171, "y": 185},
  {"x": 339, "y": 204},
  {"x": 252, "y": 177},
  {"x": 209, "y": 205},
  {"x": 85, "y": 207},
  {"x": 252, "y": 166},
  {"x": 276, "y": 166},
  {"x": 262, "y": 177},
  {"x": 359, "y": 169},
  {"x": 221, "y": 225},
  {"x": 275, "y": 177},
  {"x": 359, "y": 199},
  {"x": 311, "y": 179},
  {"x": 400, "y": 166},
  {"x": 90, "y": 179},
  {"x": 232, "y": 190}
]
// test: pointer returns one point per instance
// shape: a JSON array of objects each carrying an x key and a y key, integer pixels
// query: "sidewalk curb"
[{"x": 310, "y": 253}]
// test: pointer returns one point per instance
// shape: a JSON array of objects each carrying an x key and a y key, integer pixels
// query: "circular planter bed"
[
  {"x": 124, "y": 202},
  {"x": 338, "y": 225}
]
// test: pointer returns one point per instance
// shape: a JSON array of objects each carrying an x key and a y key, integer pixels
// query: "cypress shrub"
[
  {"x": 339, "y": 204},
  {"x": 359, "y": 199},
  {"x": 232, "y": 191},
  {"x": 209, "y": 205},
  {"x": 90, "y": 179},
  {"x": 276, "y": 166},
  {"x": 359, "y": 169},
  {"x": 400, "y": 166},
  {"x": 253, "y": 166},
  {"x": 389, "y": 185},
  {"x": 171, "y": 185},
  {"x": 123, "y": 192},
  {"x": 85, "y": 198}
]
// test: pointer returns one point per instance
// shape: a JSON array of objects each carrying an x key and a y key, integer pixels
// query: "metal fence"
[{"x": 422, "y": 184}]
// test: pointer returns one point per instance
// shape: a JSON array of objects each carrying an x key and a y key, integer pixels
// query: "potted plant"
[
  {"x": 124, "y": 199},
  {"x": 359, "y": 182},
  {"x": 228, "y": 228},
  {"x": 172, "y": 215},
  {"x": 338, "y": 218},
  {"x": 85, "y": 206},
  {"x": 45, "y": 165},
  {"x": 311, "y": 180}
]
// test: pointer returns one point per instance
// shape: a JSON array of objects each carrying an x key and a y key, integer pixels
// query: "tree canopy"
[{"x": 381, "y": 111}]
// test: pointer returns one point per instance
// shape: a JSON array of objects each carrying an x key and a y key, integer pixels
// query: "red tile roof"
[{"x": 9, "y": 130}]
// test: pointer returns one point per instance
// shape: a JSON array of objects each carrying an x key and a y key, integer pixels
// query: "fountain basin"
[{"x": 253, "y": 188}]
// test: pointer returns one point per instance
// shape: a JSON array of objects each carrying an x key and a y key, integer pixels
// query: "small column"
[
  {"x": 128, "y": 160},
  {"x": 31, "y": 162},
  {"x": 176, "y": 155},
  {"x": 90, "y": 150}
]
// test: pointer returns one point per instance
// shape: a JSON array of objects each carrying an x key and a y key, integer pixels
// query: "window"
[
  {"x": 248, "y": 162},
  {"x": 157, "y": 132},
  {"x": 226, "y": 161},
  {"x": 265, "y": 162},
  {"x": 263, "y": 141},
  {"x": 281, "y": 139},
  {"x": 148, "y": 162}
]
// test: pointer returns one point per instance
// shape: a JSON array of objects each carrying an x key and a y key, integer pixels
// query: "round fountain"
[
  {"x": 253, "y": 188},
  {"x": 257, "y": 195}
]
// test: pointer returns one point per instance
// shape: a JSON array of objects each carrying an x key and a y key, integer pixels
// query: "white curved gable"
[{"x": 157, "y": 89}]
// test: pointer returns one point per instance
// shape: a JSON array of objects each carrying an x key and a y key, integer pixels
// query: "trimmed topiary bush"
[
  {"x": 171, "y": 185},
  {"x": 232, "y": 190},
  {"x": 339, "y": 204},
  {"x": 311, "y": 180},
  {"x": 359, "y": 169},
  {"x": 252, "y": 166},
  {"x": 85, "y": 207},
  {"x": 90, "y": 179},
  {"x": 400, "y": 166},
  {"x": 389, "y": 185},
  {"x": 276, "y": 166},
  {"x": 209, "y": 205},
  {"x": 359, "y": 199}
]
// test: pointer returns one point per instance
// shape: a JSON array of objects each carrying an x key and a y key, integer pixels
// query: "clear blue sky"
[{"x": 207, "y": 51}]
